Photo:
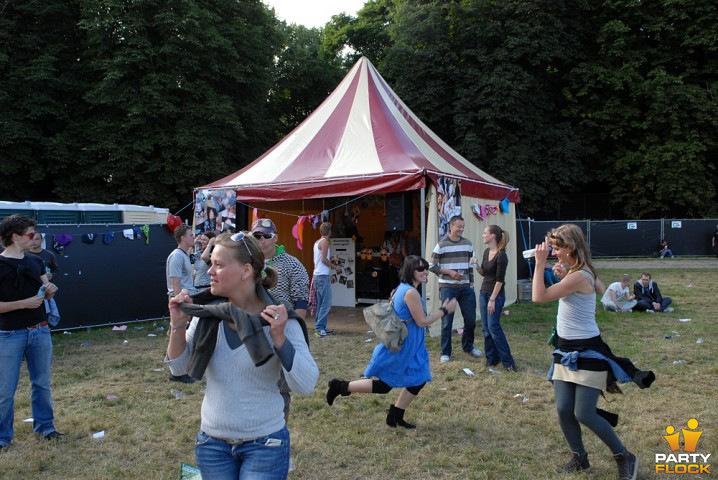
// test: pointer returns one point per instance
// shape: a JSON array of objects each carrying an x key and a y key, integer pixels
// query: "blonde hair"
[
  {"x": 325, "y": 229},
  {"x": 570, "y": 236},
  {"x": 247, "y": 250}
]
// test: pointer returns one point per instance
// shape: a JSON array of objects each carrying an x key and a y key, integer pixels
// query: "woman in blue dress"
[{"x": 408, "y": 368}]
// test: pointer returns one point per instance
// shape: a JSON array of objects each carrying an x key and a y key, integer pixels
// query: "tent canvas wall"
[{"x": 363, "y": 140}]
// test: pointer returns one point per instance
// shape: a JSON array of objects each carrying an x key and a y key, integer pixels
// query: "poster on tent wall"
[
  {"x": 448, "y": 202},
  {"x": 215, "y": 209},
  {"x": 343, "y": 283}
]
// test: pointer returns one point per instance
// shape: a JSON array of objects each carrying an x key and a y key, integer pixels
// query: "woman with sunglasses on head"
[
  {"x": 408, "y": 368},
  {"x": 583, "y": 365},
  {"x": 243, "y": 433}
]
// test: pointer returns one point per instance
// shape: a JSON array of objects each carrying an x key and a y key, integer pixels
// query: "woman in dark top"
[{"x": 492, "y": 297}]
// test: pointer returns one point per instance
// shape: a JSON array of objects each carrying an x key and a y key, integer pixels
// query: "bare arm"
[
  {"x": 413, "y": 301},
  {"x": 178, "y": 325}
]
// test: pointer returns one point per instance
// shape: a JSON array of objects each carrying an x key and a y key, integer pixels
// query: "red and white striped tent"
[{"x": 363, "y": 140}]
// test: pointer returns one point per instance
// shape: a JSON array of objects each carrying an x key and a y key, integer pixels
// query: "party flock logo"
[{"x": 690, "y": 462}]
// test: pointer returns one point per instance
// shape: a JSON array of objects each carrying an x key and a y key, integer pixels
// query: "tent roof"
[{"x": 362, "y": 139}]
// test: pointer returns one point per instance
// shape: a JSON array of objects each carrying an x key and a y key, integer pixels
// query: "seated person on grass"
[
  {"x": 649, "y": 297},
  {"x": 617, "y": 298}
]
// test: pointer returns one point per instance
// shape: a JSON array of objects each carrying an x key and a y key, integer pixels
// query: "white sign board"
[{"x": 343, "y": 253}]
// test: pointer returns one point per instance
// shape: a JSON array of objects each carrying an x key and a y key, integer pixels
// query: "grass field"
[{"x": 489, "y": 426}]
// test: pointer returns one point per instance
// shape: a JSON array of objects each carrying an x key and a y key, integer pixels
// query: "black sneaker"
[
  {"x": 577, "y": 463},
  {"x": 55, "y": 435},
  {"x": 627, "y": 465},
  {"x": 181, "y": 378},
  {"x": 5, "y": 447}
]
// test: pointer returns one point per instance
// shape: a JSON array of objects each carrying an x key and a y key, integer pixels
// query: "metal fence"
[{"x": 627, "y": 238}]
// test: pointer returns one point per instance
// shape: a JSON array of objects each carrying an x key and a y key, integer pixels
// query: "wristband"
[
  {"x": 492, "y": 299},
  {"x": 177, "y": 327},
  {"x": 443, "y": 309}
]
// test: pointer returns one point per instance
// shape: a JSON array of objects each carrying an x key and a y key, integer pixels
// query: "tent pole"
[{"x": 422, "y": 209}]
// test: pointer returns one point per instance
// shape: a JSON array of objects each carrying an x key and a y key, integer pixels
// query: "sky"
[{"x": 313, "y": 13}]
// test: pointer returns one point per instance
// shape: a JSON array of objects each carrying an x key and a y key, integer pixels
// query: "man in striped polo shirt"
[{"x": 450, "y": 260}]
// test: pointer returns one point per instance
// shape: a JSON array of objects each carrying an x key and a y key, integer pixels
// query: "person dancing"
[
  {"x": 583, "y": 365},
  {"x": 409, "y": 367}
]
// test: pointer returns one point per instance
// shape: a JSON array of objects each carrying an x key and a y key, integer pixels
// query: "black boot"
[
  {"x": 337, "y": 387},
  {"x": 396, "y": 417}
]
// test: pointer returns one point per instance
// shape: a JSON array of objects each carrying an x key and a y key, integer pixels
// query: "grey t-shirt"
[{"x": 179, "y": 266}]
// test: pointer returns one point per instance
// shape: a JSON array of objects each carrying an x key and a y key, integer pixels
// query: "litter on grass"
[
  {"x": 469, "y": 372},
  {"x": 121, "y": 328}
]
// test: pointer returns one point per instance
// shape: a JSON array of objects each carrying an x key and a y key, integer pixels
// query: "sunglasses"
[
  {"x": 239, "y": 237},
  {"x": 422, "y": 268},
  {"x": 266, "y": 236},
  {"x": 30, "y": 235}
]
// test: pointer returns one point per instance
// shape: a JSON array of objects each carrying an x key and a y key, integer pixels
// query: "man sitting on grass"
[
  {"x": 617, "y": 298},
  {"x": 649, "y": 296}
]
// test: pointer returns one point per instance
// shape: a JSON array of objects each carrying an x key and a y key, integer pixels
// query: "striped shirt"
[{"x": 452, "y": 255}]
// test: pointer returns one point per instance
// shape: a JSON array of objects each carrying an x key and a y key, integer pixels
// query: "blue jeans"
[
  {"x": 644, "y": 305},
  {"x": 35, "y": 346},
  {"x": 496, "y": 347},
  {"x": 324, "y": 300},
  {"x": 667, "y": 252},
  {"x": 466, "y": 297},
  {"x": 266, "y": 458},
  {"x": 576, "y": 405}
]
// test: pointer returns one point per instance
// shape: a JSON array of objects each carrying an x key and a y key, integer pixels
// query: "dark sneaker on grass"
[
  {"x": 55, "y": 436},
  {"x": 577, "y": 463},
  {"x": 181, "y": 378},
  {"x": 627, "y": 465}
]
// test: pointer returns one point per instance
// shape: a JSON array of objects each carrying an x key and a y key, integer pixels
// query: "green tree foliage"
[
  {"x": 648, "y": 100},
  {"x": 487, "y": 77},
  {"x": 304, "y": 75},
  {"x": 178, "y": 96},
  {"x": 367, "y": 34},
  {"x": 41, "y": 85}
]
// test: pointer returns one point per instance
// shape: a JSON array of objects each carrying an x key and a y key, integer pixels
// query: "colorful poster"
[
  {"x": 215, "y": 210},
  {"x": 448, "y": 202}
]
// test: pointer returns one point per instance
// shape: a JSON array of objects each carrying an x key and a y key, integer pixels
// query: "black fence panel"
[
  {"x": 103, "y": 284},
  {"x": 690, "y": 237},
  {"x": 625, "y": 238}
]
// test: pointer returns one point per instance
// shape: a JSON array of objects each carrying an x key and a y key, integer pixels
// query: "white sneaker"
[
  {"x": 669, "y": 310},
  {"x": 444, "y": 359},
  {"x": 475, "y": 352},
  {"x": 650, "y": 311}
]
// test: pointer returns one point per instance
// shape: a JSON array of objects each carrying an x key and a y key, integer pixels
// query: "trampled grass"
[{"x": 489, "y": 426}]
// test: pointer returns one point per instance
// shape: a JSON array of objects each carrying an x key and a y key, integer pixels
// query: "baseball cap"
[{"x": 264, "y": 225}]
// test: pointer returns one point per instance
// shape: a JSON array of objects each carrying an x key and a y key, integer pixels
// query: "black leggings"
[{"x": 377, "y": 386}]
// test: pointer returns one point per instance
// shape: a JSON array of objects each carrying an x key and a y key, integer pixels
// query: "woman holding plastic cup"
[{"x": 583, "y": 365}]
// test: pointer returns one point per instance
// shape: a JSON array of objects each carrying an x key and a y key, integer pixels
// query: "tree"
[
  {"x": 304, "y": 74},
  {"x": 647, "y": 101},
  {"x": 41, "y": 86},
  {"x": 178, "y": 95}
]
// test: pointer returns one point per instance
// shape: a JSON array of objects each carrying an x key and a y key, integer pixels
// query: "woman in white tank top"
[{"x": 577, "y": 388}]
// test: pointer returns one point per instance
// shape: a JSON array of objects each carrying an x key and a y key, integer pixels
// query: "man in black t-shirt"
[
  {"x": 25, "y": 332},
  {"x": 46, "y": 255}
]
